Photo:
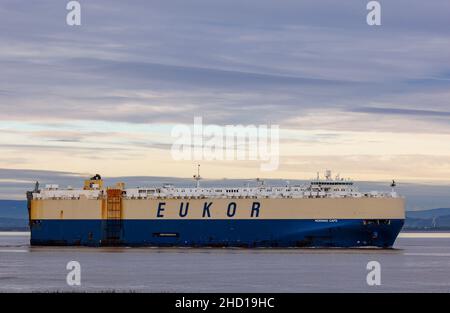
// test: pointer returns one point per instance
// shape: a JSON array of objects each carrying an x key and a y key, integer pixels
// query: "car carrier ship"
[{"x": 325, "y": 212}]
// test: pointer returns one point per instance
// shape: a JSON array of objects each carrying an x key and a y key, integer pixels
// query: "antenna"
[
  {"x": 36, "y": 187},
  {"x": 197, "y": 177},
  {"x": 260, "y": 182},
  {"x": 433, "y": 222},
  {"x": 393, "y": 185}
]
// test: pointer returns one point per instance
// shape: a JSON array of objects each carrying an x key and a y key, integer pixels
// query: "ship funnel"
[{"x": 94, "y": 183}]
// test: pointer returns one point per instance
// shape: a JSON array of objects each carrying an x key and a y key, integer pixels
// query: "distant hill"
[
  {"x": 428, "y": 213},
  {"x": 14, "y": 216},
  {"x": 435, "y": 219},
  {"x": 13, "y": 208},
  {"x": 13, "y": 224}
]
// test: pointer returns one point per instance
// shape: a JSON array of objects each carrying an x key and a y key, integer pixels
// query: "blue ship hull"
[{"x": 217, "y": 233}]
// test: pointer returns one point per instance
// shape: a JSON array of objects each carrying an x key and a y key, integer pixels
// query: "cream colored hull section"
[{"x": 287, "y": 208}]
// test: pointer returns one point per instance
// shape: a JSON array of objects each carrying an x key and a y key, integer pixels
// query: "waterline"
[
  {"x": 424, "y": 235},
  {"x": 401, "y": 235},
  {"x": 14, "y": 233}
]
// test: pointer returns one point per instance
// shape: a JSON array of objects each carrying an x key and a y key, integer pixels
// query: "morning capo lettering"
[{"x": 231, "y": 209}]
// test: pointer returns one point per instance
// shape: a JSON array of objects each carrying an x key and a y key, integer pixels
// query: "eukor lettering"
[
  {"x": 231, "y": 211},
  {"x": 185, "y": 210},
  {"x": 160, "y": 209},
  {"x": 255, "y": 209},
  {"x": 206, "y": 212}
]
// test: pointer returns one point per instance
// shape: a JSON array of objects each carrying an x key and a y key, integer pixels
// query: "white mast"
[
  {"x": 393, "y": 185},
  {"x": 198, "y": 177}
]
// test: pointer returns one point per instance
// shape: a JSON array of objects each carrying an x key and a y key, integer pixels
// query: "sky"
[{"x": 369, "y": 102}]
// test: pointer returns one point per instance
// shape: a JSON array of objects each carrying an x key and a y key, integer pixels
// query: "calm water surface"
[{"x": 419, "y": 263}]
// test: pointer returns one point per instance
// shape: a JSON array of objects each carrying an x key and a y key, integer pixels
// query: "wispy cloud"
[
  {"x": 112, "y": 88},
  {"x": 397, "y": 111}
]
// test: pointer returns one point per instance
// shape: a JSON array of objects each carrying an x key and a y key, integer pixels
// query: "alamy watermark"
[
  {"x": 73, "y": 17},
  {"x": 374, "y": 16},
  {"x": 373, "y": 278},
  {"x": 227, "y": 143},
  {"x": 73, "y": 278}
]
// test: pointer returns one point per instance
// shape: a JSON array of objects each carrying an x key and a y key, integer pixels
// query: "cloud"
[
  {"x": 397, "y": 111},
  {"x": 114, "y": 86},
  {"x": 249, "y": 62}
]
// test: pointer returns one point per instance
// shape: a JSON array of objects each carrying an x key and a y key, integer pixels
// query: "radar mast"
[{"x": 197, "y": 177}]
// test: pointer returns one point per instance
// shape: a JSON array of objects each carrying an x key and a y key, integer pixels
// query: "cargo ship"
[{"x": 324, "y": 212}]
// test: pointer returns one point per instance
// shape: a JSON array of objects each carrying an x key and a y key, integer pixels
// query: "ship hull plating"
[{"x": 217, "y": 233}]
